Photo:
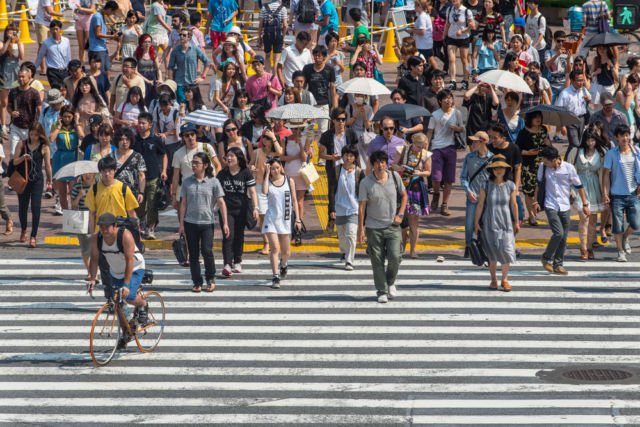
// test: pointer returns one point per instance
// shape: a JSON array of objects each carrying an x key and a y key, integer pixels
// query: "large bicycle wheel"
[
  {"x": 105, "y": 333},
  {"x": 148, "y": 336}
]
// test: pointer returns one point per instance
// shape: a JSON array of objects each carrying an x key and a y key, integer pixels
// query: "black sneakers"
[
  {"x": 143, "y": 315},
  {"x": 283, "y": 271},
  {"x": 275, "y": 282}
]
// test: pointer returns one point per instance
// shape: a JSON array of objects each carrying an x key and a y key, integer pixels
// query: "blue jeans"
[
  {"x": 469, "y": 221},
  {"x": 621, "y": 205}
]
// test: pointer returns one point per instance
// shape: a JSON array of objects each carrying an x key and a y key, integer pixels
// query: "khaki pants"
[
  {"x": 384, "y": 244},
  {"x": 148, "y": 206}
]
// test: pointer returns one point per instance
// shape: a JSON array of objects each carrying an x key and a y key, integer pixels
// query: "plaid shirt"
[{"x": 591, "y": 11}]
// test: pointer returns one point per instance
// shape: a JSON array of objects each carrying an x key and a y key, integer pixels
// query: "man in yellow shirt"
[{"x": 109, "y": 196}]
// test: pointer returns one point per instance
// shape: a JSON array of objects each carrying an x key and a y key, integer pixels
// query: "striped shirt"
[
  {"x": 273, "y": 6},
  {"x": 627, "y": 161},
  {"x": 591, "y": 10}
]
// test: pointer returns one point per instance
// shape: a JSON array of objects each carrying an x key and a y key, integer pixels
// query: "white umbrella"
[
  {"x": 506, "y": 80},
  {"x": 297, "y": 112},
  {"x": 76, "y": 169},
  {"x": 210, "y": 118},
  {"x": 364, "y": 86}
]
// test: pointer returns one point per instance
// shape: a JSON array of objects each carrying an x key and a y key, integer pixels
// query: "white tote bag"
[
  {"x": 75, "y": 222},
  {"x": 309, "y": 173}
]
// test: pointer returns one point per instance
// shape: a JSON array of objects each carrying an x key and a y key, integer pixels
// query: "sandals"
[
  {"x": 493, "y": 284},
  {"x": 584, "y": 255},
  {"x": 211, "y": 286},
  {"x": 23, "y": 236},
  {"x": 32, "y": 243},
  {"x": 590, "y": 254},
  {"x": 9, "y": 229},
  {"x": 196, "y": 289},
  {"x": 506, "y": 286}
]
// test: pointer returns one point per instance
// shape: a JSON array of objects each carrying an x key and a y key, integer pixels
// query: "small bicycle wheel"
[
  {"x": 105, "y": 333},
  {"x": 148, "y": 336}
]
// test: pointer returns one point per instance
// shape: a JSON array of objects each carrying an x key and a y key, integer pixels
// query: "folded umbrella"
[
  {"x": 554, "y": 116},
  {"x": 506, "y": 80},
  {"x": 364, "y": 86},
  {"x": 210, "y": 118},
  {"x": 607, "y": 39},
  {"x": 75, "y": 169},
  {"x": 401, "y": 112},
  {"x": 297, "y": 112}
]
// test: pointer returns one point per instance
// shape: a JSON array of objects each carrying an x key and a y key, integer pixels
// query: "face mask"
[{"x": 359, "y": 100}]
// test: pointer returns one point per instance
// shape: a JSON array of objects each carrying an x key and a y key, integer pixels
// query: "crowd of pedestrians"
[{"x": 384, "y": 176}]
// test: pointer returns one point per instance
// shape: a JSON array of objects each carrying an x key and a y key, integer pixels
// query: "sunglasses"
[
  {"x": 389, "y": 128},
  {"x": 184, "y": 35},
  {"x": 341, "y": 119},
  {"x": 231, "y": 129}
]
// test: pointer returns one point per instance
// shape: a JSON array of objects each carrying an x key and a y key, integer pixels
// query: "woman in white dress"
[{"x": 282, "y": 212}]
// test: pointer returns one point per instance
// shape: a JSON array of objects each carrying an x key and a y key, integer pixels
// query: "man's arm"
[
  {"x": 128, "y": 248},
  {"x": 42, "y": 52}
]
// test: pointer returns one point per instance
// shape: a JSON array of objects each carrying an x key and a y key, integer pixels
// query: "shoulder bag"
[
  {"x": 17, "y": 181},
  {"x": 308, "y": 172}
]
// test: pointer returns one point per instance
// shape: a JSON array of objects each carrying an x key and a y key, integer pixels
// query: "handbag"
[
  {"x": 180, "y": 250},
  {"x": 17, "y": 181},
  {"x": 75, "y": 222},
  {"x": 478, "y": 257},
  {"x": 377, "y": 74},
  {"x": 250, "y": 222},
  {"x": 308, "y": 172},
  {"x": 162, "y": 196},
  {"x": 460, "y": 141}
]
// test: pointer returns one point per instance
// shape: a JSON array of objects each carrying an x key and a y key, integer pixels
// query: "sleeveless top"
[
  {"x": 605, "y": 78},
  {"x": 115, "y": 258},
  {"x": 35, "y": 164},
  {"x": 129, "y": 35},
  {"x": 280, "y": 201},
  {"x": 147, "y": 68}
]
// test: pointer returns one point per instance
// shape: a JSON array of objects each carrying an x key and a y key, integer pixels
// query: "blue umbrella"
[{"x": 554, "y": 116}]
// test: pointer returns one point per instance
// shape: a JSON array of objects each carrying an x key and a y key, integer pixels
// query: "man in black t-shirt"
[
  {"x": 155, "y": 157},
  {"x": 321, "y": 82},
  {"x": 413, "y": 83}
]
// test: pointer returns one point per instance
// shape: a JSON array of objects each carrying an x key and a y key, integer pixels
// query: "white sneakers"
[
  {"x": 626, "y": 246},
  {"x": 237, "y": 268},
  {"x": 393, "y": 292},
  {"x": 622, "y": 256},
  {"x": 226, "y": 271}
]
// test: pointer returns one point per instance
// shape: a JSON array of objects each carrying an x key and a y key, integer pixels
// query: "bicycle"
[{"x": 110, "y": 324}]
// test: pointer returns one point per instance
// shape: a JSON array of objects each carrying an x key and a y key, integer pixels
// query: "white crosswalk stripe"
[{"x": 447, "y": 351}]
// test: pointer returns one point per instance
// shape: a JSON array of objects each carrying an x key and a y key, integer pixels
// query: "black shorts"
[
  {"x": 274, "y": 44},
  {"x": 458, "y": 42}
]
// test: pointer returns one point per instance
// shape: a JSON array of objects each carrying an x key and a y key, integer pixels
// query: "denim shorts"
[
  {"x": 136, "y": 280},
  {"x": 625, "y": 205}
]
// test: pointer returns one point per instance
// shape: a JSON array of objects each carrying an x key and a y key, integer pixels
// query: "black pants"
[
  {"x": 332, "y": 183},
  {"x": 56, "y": 77},
  {"x": 200, "y": 240},
  {"x": 31, "y": 194},
  {"x": 233, "y": 245}
]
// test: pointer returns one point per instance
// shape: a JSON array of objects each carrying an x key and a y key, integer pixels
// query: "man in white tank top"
[{"x": 126, "y": 264}]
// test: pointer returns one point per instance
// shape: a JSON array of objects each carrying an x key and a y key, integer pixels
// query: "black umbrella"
[
  {"x": 401, "y": 112},
  {"x": 554, "y": 116},
  {"x": 607, "y": 39}
]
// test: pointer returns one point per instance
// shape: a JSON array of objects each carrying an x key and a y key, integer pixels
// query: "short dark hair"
[
  {"x": 575, "y": 73},
  {"x": 528, "y": 117},
  {"x": 378, "y": 156},
  {"x": 319, "y": 49},
  {"x": 330, "y": 36},
  {"x": 298, "y": 73},
  {"x": 350, "y": 149},
  {"x": 147, "y": 117},
  {"x": 95, "y": 57},
  {"x": 107, "y": 163},
  {"x": 55, "y": 23},
  {"x": 126, "y": 132},
  {"x": 400, "y": 92},
  {"x": 303, "y": 36},
  {"x": 28, "y": 65},
  {"x": 180, "y": 15},
  {"x": 444, "y": 93},
  {"x": 111, "y": 5},
  {"x": 549, "y": 153},
  {"x": 499, "y": 128},
  {"x": 621, "y": 130},
  {"x": 355, "y": 14},
  {"x": 131, "y": 61},
  {"x": 632, "y": 61},
  {"x": 512, "y": 96},
  {"x": 337, "y": 112},
  {"x": 195, "y": 17},
  {"x": 359, "y": 63},
  {"x": 559, "y": 35},
  {"x": 413, "y": 61}
]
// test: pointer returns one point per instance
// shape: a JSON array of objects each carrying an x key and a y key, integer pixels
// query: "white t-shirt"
[
  {"x": 442, "y": 134},
  {"x": 42, "y": 17},
  {"x": 293, "y": 60},
  {"x": 182, "y": 158},
  {"x": 130, "y": 111},
  {"x": 459, "y": 19},
  {"x": 423, "y": 22},
  {"x": 533, "y": 30}
]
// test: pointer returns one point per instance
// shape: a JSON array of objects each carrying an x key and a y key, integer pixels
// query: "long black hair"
[
  {"x": 208, "y": 168},
  {"x": 77, "y": 96},
  {"x": 198, "y": 103},
  {"x": 601, "y": 145},
  {"x": 135, "y": 90}
]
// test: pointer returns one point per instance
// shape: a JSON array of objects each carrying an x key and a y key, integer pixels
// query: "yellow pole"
[
  {"x": 390, "y": 40},
  {"x": 4, "y": 21},
  {"x": 199, "y": 8},
  {"x": 56, "y": 6},
  {"x": 247, "y": 57},
  {"x": 25, "y": 36}
]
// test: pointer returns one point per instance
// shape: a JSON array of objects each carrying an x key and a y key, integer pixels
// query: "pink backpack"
[{"x": 438, "y": 29}]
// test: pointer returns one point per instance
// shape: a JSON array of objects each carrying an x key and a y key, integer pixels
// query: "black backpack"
[
  {"x": 306, "y": 12},
  {"x": 131, "y": 224},
  {"x": 272, "y": 26}
]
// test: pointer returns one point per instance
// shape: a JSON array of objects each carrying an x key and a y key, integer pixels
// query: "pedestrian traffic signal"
[{"x": 626, "y": 14}]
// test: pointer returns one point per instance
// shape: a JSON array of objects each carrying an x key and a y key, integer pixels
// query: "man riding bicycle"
[{"x": 126, "y": 264}]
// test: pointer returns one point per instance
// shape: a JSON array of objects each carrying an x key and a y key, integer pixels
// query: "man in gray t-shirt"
[{"x": 378, "y": 196}]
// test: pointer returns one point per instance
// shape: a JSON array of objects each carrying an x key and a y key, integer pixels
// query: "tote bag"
[{"x": 75, "y": 222}]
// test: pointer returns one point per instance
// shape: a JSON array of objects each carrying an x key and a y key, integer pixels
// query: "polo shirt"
[{"x": 392, "y": 147}]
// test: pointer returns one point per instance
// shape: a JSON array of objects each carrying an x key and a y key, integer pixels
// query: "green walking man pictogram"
[{"x": 626, "y": 16}]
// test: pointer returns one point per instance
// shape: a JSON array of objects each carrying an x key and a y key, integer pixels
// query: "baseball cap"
[
  {"x": 606, "y": 98},
  {"x": 188, "y": 128},
  {"x": 258, "y": 58},
  {"x": 95, "y": 119},
  {"x": 480, "y": 136},
  {"x": 107, "y": 219},
  {"x": 519, "y": 22}
]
